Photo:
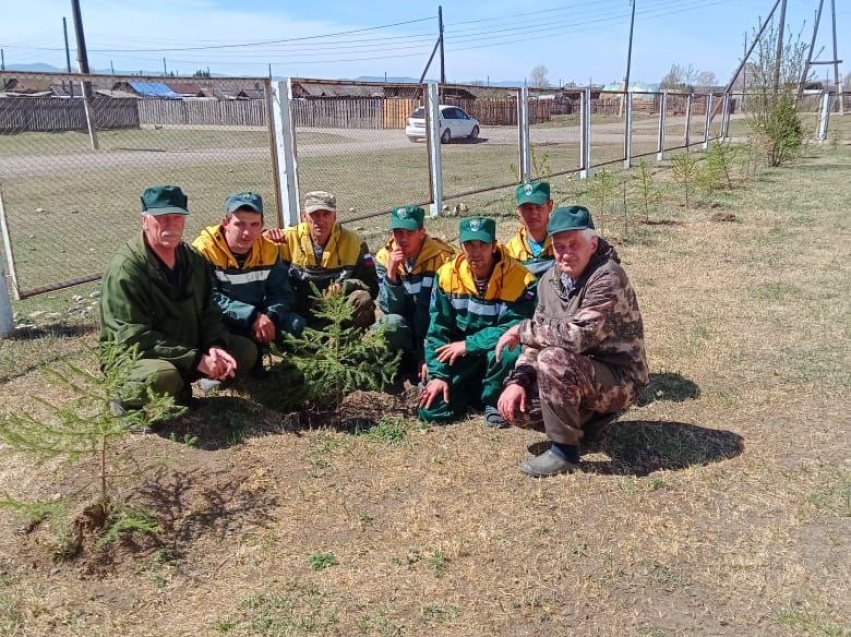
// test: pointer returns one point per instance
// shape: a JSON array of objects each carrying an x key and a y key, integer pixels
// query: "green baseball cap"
[
  {"x": 478, "y": 229},
  {"x": 569, "y": 218},
  {"x": 164, "y": 200},
  {"x": 250, "y": 200},
  {"x": 537, "y": 192},
  {"x": 407, "y": 218}
]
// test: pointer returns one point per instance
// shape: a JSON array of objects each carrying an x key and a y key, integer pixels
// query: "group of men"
[{"x": 542, "y": 332}]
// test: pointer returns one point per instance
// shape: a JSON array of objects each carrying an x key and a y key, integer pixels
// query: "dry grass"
[{"x": 719, "y": 506}]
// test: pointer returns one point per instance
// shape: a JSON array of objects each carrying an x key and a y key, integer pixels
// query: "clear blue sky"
[{"x": 495, "y": 39}]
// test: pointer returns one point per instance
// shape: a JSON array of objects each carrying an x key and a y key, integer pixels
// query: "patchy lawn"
[{"x": 721, "y": 505}]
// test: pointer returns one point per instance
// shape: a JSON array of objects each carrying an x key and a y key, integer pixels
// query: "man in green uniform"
[
  {"x": 157, "y": 298},
  {"x": 477, "y": 297},
  {"x": 407, "y": 267}
]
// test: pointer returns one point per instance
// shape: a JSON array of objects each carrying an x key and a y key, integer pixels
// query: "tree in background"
[
  {"x": 680, "y": 79},
  {"x": 540, "y": 76},
  {"x": 705, "y": 80},
  {"x": 201, "y": 73},
  {"x": 773, "y": 116}
]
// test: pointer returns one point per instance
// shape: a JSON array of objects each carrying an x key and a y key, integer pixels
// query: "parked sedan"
[{"x": 455, "y": 123}]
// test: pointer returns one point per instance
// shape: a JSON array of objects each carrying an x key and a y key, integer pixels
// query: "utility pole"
[
  {"x": 751, "y": 48},
  {"x": 806, "y": 72},
  {"x": 627, "y": 138},
  {"x": 836, "y": 60},
  {"x": 745, "y": 72},
  {"x": 2, "y": 60},
  {"x": 82, "y": 55},
  {"x": 778, "y": 62},
  {"x": 67, "y": 54},
  {"x": 165, "y": 69},
  {"x": 67, "y": 48},
  {"x": 442, "y": 61},
  {"x": 111, "y": 67},
  {"x": 83, "y": 62}
]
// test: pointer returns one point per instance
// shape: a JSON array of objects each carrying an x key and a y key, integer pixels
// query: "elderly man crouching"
[{"x": 583, "y": 350}]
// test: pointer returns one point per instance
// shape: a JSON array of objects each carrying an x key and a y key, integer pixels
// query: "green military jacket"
[{"x": 140, "y": 308}]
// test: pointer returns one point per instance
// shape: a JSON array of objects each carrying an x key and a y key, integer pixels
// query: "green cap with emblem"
[
  {"x": 238, "y": 200},
  {"x": 536, "y": 192},
  {"x": 407, "y": 218},
  {"x": 478, "y": 229},
  {"x": 164, "y": 200},
  {"x": 569, "y": 218}
]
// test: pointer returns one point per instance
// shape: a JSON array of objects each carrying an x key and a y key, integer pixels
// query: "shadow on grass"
[
  {"x": 219, "y": 422},
  {"x": 190, "y": 504},
  {"x": 668, "y": 386},
  {"x": 640, "y": 447},
  {"x": 61, "y": 330}
]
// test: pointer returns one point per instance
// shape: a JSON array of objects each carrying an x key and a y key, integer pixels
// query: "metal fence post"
[
  {"x": 824, "y": 118},
  {"x": 627, "y": 131},
  {"x": 663, "y": 116},
  {"x": 585, "y": 135},
  {"x": 287, "y": 163},
  {"x": 523, "y": 132},
  {"x": 7, "y": 322},
  {"x": 708, "y": 123},
  {"x": 435, "y": 163},
  {"x": 687, "y": 133},
  {"x": 725, "y": 118},
  {"x": 87, "y": 108}
]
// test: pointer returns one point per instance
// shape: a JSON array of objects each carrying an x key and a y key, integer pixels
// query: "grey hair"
[{"x": 589, "y": 233}]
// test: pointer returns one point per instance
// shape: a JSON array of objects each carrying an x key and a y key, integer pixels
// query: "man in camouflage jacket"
[{"x": 583, "y": 350}]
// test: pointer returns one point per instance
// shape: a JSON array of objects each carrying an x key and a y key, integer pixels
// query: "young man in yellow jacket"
[
  {"x": 477, "y": 297},
  {"x": 252, "y": 281},
  {"x": 531, "y": 245},
  {"x": 407, "y": 267},
  {"x": 323, "y": 254}
]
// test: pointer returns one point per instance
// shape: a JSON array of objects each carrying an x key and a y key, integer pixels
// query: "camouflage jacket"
[{"x": 599, "y": 318}]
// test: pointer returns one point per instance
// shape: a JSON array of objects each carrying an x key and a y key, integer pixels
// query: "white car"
[{"x": 455, "y": 123}]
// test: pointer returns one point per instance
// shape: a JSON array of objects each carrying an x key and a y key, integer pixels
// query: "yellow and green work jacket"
[
  {"x": 459, "y": 312},
  {"x": 345, "y": 260},
  {"x": 518, "y": 248},
  {"x": 410, "y": 296},
  {"x": 260, "y": 285}
]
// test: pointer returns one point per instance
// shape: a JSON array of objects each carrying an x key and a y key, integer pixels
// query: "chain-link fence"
[
  {"x": 352, "y": 141},
  {"x": 76, "y": 158}
]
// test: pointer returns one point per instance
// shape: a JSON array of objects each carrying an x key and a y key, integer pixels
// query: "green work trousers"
[
  {"x": 165, "y": 379},
  {"x": 473, "y": 379}
]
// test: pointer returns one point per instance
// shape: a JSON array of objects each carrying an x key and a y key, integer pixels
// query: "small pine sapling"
[
  {"x": 85, "y": 428},
  {"x": 684, "y": 172},
  {"x": 340, "y": 358}
]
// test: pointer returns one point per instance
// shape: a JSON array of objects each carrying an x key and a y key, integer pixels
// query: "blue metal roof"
[{"x": 154, "y": 89}]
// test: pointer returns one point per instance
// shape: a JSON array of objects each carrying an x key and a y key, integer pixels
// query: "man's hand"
[
  {"x": 430, "y": 392},
  {"x": 451, "y": 352},
  {"x": 335, "y": 288},
  {"x": 511, "y": 339},
  {"x": 512, "y": 402},
  {"x": 397, "y": 258},
  {"x": 263, "y": 329},
  {"x": 217, "y": 364},
  {"x": 275, "y": 235},
  {"x": 423, "y": 373}
]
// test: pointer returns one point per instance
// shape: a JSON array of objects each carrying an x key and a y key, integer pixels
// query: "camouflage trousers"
[{"x": 569, "y": 390}]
